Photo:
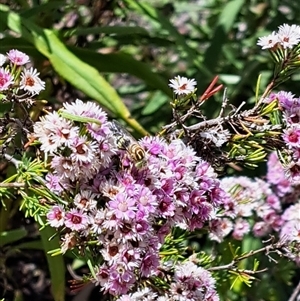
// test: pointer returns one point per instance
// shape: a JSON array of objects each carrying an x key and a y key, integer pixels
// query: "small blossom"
[
  {"x": 193, "y": 283},
  {"x": 91, "y": 110},
  {"x": 53, "y": 182},
  {"x": 76, "y": 220},
  {"x": 288, "y": 35},
  {"x": 123, "y": 207},
  {"x": 241, "y": 228},
  {"x": 53, "y": 131},
  {"x": 17, "y": 57},
  {"x": 31, "y": 82},
  {"x": 6, "y": 79},
  {"x": 269, "y": 41},
  {"x": 276, "y": 176},
  {"x": 295, "y": 233},
  {"x": 286, "y": 100},
  {"x": 292, "y": 116},
  {"x": 219, "y": 228},
  {"x": 292, "y": 136},
  {"x": 68, "y": 242},
  {"x": 85, "y": 200},
  {"x": 182, "y": 85},
  {"x": 293, "y": 172},
  {"x": 83, "y": 150},
  {"x": 261, "y": 229},
  {"x": 56, "y": 216}
]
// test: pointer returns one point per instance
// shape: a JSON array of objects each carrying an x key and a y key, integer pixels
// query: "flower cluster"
[
  {"x": 289, "y": 106},
  {"x": 271, "y": 205},
  {"x": 248, "y": 198},
  {"x": 190, "y": 283},
  {"x": 260, "y": 207},
  {"x": 15, "y": 77},
  {"x": 113, "y": 207},
  {"x": 287, "y": 36}
]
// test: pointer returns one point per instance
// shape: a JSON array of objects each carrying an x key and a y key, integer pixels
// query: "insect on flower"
[{"x": 125, "y": 141}]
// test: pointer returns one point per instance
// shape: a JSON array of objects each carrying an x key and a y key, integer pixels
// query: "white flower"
[
  {"x": 83, "y": 150},
  {"x": 182, "y": 85},
  {"x": 31, "y": 82},
  {"x": 54, "y": 131},
  {"x": 85, "y": 200},
  {"x": 2, "y": 59},
  {"x": 289, "y": 36},
  {"x": 268, "y": 41}
]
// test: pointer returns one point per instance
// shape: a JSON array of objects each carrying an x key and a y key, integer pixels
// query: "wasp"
[{"x": 125, "y": 141}]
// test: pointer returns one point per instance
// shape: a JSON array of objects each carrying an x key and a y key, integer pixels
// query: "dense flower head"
[
  {"x": 129, "y": 209},
  {"x": 290, "y": 108},
  {"x": 287, "y": 36},
  {"x": 261, "y": 207},
  {"x": 190, "y": 283},
  {"x": 246, "y": 199}
]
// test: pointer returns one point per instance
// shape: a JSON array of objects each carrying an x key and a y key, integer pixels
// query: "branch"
[{"x": 233, "y": 263}]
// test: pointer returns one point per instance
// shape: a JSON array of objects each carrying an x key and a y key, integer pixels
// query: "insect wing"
[
  {"x": 118, "y": 129},
  {"x": 126, "y": 141},
  {"x": 123, "y": 138}
]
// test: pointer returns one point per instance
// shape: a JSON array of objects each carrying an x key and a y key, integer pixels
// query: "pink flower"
[
  {"x": 6, "y": 79},
  {"x": 56, "y": 216},
  {"x": 123, "y": 207},
  {"x": 293, "y": 172},
  {"x": 17, "y": 57},
  {"x": 261, "y": 229},
  {"x": 76, "y": 220},
  {"x": 91, "y": 110},
  {"x": 121, "y": 279},
  {"x": 241, "y": 228},
  {"x": 54, "y": 183},
  {"x": 287, "y": 100},
  {"x": 292, "y": 136},
  {"x": 149, "y": 265}
]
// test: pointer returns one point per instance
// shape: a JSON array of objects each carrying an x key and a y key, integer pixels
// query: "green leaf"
[
  {"x": 8, "y": 237},
  {"x": 79, "y": 74},
  {"x": 55, "y": 263},
  {"x": 146, "y": 9},
  {"x": 38, "y": 10},
  {"x": 109, "y": 30},
  {"x": 157, "y": 100},
  {"x": 123, "y": 63},
  {"x": 35, "y": 245},
  {"x": 224, "y": 25}
]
